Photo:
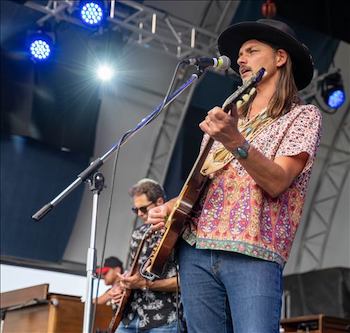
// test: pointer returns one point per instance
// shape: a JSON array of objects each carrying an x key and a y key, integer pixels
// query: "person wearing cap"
[
  {"x": 232, "y": 255},
  {"x": 153, "y": 305},
  {"x": 110, "y": 271}
]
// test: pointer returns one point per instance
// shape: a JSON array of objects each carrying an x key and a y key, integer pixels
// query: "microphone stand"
[{"x": 96, "y": 183}]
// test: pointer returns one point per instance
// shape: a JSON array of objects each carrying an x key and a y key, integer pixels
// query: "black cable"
[
  {"x": 329, "y": 28},
  {"x": 177, "y": 298},
  {"x": 151, "y": 117},
  {"x": 124, "y": 138},
  {"x": 108, "y": 214}
]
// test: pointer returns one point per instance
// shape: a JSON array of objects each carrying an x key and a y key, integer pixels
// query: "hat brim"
[{"x": 231, "y": 40}]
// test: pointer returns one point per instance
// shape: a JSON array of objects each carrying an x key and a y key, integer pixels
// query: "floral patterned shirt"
[
  {"x": 237, "y": 215},
  {"x": 154, "y": 308}
]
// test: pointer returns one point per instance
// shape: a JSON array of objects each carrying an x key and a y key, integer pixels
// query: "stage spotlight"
[
  {"x": 332, "y": 91},
  {"x": 40, "y": 46},
  {"x": 92, "y": 12},
  {"x": 105, "y": 72}
]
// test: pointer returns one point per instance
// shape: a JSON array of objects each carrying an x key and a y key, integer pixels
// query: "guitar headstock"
[
  {"x": 257, "y": 77},
  {"x": 244, "y": 92},
  {"x": 245, "y": 98}
]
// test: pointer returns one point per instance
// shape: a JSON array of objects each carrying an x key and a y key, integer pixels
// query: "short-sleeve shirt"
[
  {"x": 154, "y": 308},
  {"x": 237, "y": 215}
]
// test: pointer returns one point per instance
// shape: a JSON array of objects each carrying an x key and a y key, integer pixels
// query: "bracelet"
[
  {"x": 241, "y": 152},
  {"x": 146, "y": 287}
]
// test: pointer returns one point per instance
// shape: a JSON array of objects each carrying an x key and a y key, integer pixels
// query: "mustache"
[{"x": 243, "y": 69}]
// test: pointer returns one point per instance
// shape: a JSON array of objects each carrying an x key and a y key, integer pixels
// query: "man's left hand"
[{"x": 222, "y": 127}]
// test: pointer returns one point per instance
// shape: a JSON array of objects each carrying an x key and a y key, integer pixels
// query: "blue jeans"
[
  {"x": 133, "y": 327},
  {"x": 224, "y": 291}
]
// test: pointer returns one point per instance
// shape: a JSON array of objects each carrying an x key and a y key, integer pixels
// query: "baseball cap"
[{"x": 110, "y": 262}]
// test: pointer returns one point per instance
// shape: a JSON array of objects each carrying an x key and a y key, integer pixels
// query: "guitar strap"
[{"x": 220, "y": 156}]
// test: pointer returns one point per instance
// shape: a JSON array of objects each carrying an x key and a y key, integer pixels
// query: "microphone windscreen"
[{"x": 224, "y": 63}]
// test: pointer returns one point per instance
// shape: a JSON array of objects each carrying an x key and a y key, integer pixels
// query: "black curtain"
[{"x": 32, "y": 173}]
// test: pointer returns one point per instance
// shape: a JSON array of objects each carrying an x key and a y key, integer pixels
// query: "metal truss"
[
  {"x": 160, "y": 31},
  {"x": 148, "y": 26},
  {"x": 324, "y": 202},
  {"x": 217, "y": 15}
]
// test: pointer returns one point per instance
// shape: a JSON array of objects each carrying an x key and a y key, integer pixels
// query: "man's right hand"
[{"x": 115, "y": 294}]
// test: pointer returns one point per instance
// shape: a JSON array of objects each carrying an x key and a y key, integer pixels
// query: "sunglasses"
[{"x": 142, "y": 209}]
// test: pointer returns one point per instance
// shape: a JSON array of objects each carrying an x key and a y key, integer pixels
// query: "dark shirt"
[{"x": 154, "y": 308}]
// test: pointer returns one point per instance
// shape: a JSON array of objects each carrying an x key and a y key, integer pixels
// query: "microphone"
[{"x": 222, "y": 62}]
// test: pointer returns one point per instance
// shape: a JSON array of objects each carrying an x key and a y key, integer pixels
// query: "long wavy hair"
[{"x": 286, "y": 93}]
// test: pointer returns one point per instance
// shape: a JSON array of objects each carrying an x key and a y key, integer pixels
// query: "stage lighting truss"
[
  {"x": 40, "y": 46},
  {"x": 147, "y": 26}
]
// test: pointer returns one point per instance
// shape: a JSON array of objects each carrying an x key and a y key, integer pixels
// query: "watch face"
[{"x": 242, "y": 152}]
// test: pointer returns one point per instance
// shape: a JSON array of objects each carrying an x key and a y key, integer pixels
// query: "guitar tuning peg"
[
  {"x": 252, "y": 91},
  {"x": 245, "y": 97},
  {"x": 239, "y": 103}
]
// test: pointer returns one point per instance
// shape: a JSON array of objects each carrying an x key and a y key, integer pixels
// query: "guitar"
[
  {"x": 118, "y": 316},
  {"x": 191, "y": 191}
]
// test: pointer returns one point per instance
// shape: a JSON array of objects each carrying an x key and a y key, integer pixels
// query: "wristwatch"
[{"x": 241, "y": 152}]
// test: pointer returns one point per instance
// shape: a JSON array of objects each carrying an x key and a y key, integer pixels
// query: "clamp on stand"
[{"x": 96, "y": 185}]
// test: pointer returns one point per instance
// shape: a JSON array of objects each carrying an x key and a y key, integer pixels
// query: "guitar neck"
[
  {"x": 229, "y": 102},
  {"x": 117, "y": 317},
  {"x": 197, "y": 166},
  {"x": 134, "y": 266}
]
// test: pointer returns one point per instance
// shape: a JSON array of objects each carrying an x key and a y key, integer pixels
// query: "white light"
[
  {"x": 193, "y": 38},
  {"x": 154, "y": 23},
  {"x": 105, "y": 73}
]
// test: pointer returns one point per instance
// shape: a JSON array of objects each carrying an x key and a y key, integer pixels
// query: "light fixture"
[
  {"x": 40, "y": 46},
  {"x": 332, "y": 91},
  {"x": 92, "y": 12},
  {"x": 105, "y": 72}
]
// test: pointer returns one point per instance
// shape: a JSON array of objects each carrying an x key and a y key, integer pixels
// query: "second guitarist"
[{"x": 152, "y": 304}]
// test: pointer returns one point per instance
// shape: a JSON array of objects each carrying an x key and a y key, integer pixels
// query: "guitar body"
[
  {"x": 176, "y": 222},
  {"x": 192, "y": 191}
]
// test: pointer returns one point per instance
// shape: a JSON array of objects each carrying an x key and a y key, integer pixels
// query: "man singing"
[{"x": 233, "y": 251}]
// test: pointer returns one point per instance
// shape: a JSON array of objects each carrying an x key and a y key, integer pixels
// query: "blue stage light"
[
  {"x": 40, "y": 46},
  {"x": 333, "y": 91},
  {"x": 92, "y": 12},
  {"x": 40, "y": 49},
  {"x": 336, "y": 99}
]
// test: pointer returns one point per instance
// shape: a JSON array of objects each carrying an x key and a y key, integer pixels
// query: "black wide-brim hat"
[{"x": 276, "y": 33}]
